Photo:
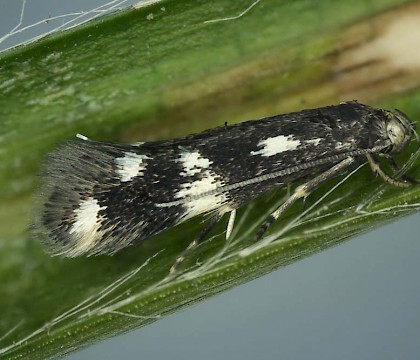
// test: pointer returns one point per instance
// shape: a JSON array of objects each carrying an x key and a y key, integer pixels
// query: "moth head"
[
  {"x": 396, "y": 131},
  {"x": 400, "y": 131}
]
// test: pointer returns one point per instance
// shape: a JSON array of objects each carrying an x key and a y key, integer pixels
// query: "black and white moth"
[{"x": 100, "y": 197}]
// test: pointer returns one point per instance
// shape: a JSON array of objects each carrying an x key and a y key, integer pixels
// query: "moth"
[{"x": 100, "y": 197}]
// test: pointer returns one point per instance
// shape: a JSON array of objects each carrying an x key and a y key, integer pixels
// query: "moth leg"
[
  {"x": 377, "y": 169},
  {"x": 199, "y": 239},
  {"x": 303, "y": 191},
  {"x": 395, "y": 168},
  {"x": 231, "y": 221}
]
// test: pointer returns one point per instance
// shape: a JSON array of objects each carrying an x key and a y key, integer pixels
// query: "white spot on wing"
[
  {"x": 314, "y": 141},
  {"x": 130, "y": 165},
  {"x": 86, "y": 225},
  {"x": 340, "y": 146},
  {"x": 276, "y": 145},
  {"x": 193, "y": 163},
  {"x": 203, "y": 204}
]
